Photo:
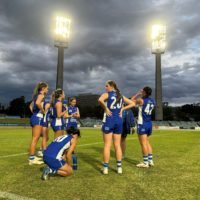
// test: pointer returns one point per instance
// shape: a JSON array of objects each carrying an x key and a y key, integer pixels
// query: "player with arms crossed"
[
  {"x": 58, "y": 154},
  {"x": 144, "y": 127},
  {"x": 73, "y": 114},
  {"x": 112, "y": 127}
]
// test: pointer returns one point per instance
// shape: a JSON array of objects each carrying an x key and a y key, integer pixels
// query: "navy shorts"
[
  {"x": 45, "y": 123},
  {"x": 35, "y": 120},
  {"x": 112, "y": 125},
  {"x": 54, "y": 163},
  {"x": 145, "y": 128}
]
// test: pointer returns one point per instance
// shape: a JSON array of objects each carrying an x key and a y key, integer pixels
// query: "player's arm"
[
  {"x": 31, "y": 106},
  {"x": 39, "y": 103},
  {"x": 59, "y": 110},
  {"x": 101, "y": 101},
  {"x": 47, "y": 106},
  {"x": 130, "y": 104},
  {"x": 77, "y": 114},
  {"x": 71, "y": 150},
  {"x": 66, "y": 115},
  {"x": 139, "y": 101},
  {"x": 134, "y": 97}
]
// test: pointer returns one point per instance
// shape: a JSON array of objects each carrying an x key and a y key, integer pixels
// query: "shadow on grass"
[
  {"x": 131, "y": 161},
  {"x": 91, "y": 160}
]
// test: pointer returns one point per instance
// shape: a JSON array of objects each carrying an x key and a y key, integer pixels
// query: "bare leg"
[
  {"x": 65, "y": 170},
  {"x": 36, "y": 131},
  {"x": 117, "y": 145},
  {"x": 143, "y": 143},
  {"x": 58, "y": 133},
  {"x": 107, "y": 145},
  {"x": 45, "y": 134}
]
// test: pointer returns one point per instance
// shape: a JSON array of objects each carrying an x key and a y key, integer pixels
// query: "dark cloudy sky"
[{"x": 110, "y": 39}]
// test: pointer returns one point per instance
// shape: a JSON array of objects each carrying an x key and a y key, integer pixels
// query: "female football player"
[
  {"x": 58, "y": 155},
  {"x": 73, "y": 114},
  {"x": 58, "y": 113},
  {"x": 146, "y": 105},
  {"x": 36, "y": 120},
  {"x": 45, "y": 127},
  {"x": 112, "y": 123}
]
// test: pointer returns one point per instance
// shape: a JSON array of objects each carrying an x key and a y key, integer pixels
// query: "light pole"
[
  {"x": 61, "y": 41},
  {"x": 158, "y": 48}
]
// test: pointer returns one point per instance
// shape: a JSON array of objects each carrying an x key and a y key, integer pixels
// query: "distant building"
[{"x": 87, "y": 99}]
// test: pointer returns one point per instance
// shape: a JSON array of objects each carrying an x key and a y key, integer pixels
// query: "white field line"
[
  {"x": 11, "y": 196},
  {"x": 81, "y": 145}
]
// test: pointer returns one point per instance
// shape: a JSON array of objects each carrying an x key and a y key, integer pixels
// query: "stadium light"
[
  {"x": 62, "y": 33},
  {"x": 158, "y": 37}
]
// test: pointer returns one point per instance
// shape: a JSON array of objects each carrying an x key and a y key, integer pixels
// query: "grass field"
[{"x": 176, "y": 174}]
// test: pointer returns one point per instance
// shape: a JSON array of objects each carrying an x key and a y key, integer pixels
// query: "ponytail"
[
  {"x": 52, "y": 98},
  {"x": 119, "y": 96},
  {"x": 38, "y": 88},
  {"x": 114, "y": 85}
]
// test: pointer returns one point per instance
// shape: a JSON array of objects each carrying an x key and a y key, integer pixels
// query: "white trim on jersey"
[
  {"x": 58, "y": 122},
  {"x": 40, "y": 115},
  {"x": 140, "y": 118},
  {"x": 60, "y": 153}
]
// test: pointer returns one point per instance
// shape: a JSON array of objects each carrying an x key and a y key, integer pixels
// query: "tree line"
[{"x": 188, "y": 112}]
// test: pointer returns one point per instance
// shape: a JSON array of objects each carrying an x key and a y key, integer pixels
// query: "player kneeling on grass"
[
  {"x": 58, "y": 154},
  {"x": 144, "y": 129}
]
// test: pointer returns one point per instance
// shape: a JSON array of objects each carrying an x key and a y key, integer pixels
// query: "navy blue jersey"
[
  {"x": 72, "y": 110},
  {"x": 112, "y": 104},
  {"x": 54, "y": 114},
  {"x": 58, "y": 146},
  {"x": 48, "y": 112},
  {"x": 145, "y": 110},
  {"x": 36, "y": 110},
  {"x": 64, "y": 104}
]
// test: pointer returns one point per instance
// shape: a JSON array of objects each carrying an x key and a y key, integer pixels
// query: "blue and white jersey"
[
  {"x": 54, "y": 114},
  {"x": 57, "y": 122},
  {"x": 47, "y": 114},
  {"x": 58, "y": 146},
  {"x": 64, "y": 103},
  {"x": 72, "y": 110},
  {"x": 112, "y": 105},
  {"x": 36, "y": 110},
  {"x": 145, "y": 110}
]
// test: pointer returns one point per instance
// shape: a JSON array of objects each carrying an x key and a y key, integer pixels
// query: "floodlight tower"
[
  {"x": 61, "y": 42},
  {"x": 158, "y": 47}
]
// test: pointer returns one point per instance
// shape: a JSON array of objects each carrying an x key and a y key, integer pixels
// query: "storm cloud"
[{"x": 110, "y": 39}]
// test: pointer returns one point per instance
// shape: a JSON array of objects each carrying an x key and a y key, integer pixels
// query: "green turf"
[
  {"x": 15, "y": 120},
  {"x": 175, "y": 175}
]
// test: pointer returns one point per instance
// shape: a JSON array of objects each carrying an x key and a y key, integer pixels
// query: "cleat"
[
  {"x": 105, "y": 170},
  {"x": 151, "y": 164},
  {"x": 142, "y": 165},
  {"x": 45, "y": 173},
  {"x": 35, "y": 162},
  {"x": 119, "y": 170},
  {"x": 40, "y": 153}
]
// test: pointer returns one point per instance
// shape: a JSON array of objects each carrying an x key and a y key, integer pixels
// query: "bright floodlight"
[
  {"x": 62, "y": 31},
  {"x": 158, "y": 37}
]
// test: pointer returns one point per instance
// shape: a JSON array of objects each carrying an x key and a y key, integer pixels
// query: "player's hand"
[
  {"x": 121, "y": 111},
  {"x": 140, "y": 92},
  {"x": 108, "y": 112}
]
